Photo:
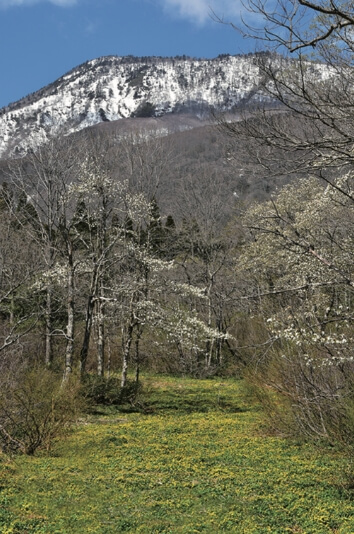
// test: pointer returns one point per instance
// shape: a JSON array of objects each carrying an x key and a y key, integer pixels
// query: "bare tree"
[
  {"x": 145, "y": 160},
  {"x": 19, "y": 269},
  {"x": 44, "y": 179},
  {"x": 312, "y": 130},
  {"x": 298, "y": 24},
  {"x": 204, "y": 254}
]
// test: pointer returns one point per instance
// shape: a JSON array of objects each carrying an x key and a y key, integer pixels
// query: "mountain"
[{"x": 113, "y": 88}]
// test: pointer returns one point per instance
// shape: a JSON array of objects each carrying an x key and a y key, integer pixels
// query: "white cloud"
[
  {"x": 199, "y": 11},
  {"x": 12, "y": 3}
]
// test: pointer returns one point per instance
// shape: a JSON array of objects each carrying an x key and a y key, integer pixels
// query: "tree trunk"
[
  {"x": 210, "y": 342},
  {"x": 137, "y": 353},
  {"x": 70, "y": 312},
  {"x": 88, "y": 320},
  {"x": 50, "y": 254},
  {"x": 109, "y": 359},
  {"x": 126, "y": 352},
  {"x": 100, "y": 340},
  {"x": 87, "y": 335},
  {"x": 48, "y": 329}
]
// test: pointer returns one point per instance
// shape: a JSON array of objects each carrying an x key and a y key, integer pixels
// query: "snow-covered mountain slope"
[{"x": 111, "y": 88}]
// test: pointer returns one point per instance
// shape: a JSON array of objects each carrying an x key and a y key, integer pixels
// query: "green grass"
[{"x": 196, "y": 461}]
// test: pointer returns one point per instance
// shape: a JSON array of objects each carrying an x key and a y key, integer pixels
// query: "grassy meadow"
[{"x": 198, "y": 458}]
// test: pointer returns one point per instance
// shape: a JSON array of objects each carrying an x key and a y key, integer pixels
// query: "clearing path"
[{"x": 197, "y": 460}]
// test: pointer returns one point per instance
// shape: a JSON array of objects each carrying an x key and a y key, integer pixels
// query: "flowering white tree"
[
  {"x": 103, "y": 203},
  {"x": 302, "y": 246},
  {"x": 143, "y": 293},
  {"x": 299, "y": 260}
]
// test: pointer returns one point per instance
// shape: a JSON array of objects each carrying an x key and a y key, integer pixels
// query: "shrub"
[
  {"x": 108, "y": 391},
  {"x": 35, "y": 407},
  {"x": 312, "y": 400}
]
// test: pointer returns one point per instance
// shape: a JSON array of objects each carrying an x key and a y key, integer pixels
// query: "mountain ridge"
[
  {"x": 11, "y": 106},
  {"x": 111, "y": 88}
]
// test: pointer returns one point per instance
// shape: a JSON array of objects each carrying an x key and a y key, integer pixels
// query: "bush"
[
  {"x": 35, "y": 407},
  {"x": 314, "y": 401},
  {"x": 108, "y": 391}
]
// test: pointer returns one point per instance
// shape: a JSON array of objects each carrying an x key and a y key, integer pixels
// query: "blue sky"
[{"x": 42, "y": 39}]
